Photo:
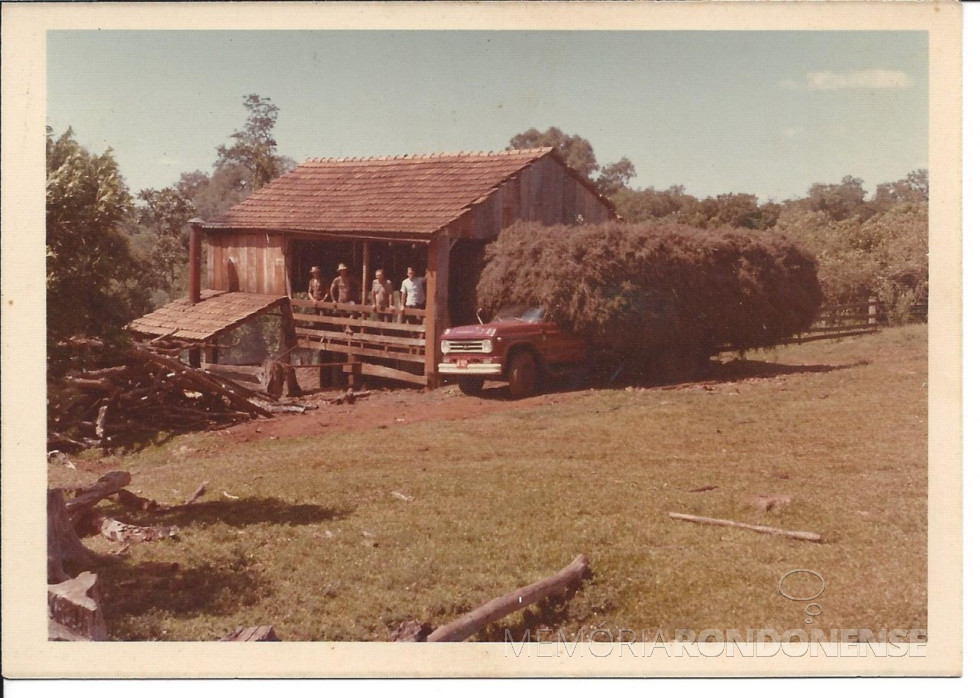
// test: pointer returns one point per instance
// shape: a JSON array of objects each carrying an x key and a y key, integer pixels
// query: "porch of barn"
[{"x": 354, "y": 339}]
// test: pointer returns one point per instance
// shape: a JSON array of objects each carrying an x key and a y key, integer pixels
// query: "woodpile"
[{"x": 121, "y": 395}]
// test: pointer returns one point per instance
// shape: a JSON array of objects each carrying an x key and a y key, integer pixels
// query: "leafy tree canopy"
[
  {"x": 253, "y": 146},
  {"x": 93, "y": 282}
]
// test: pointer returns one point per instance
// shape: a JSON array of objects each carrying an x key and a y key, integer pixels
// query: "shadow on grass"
[
  {"x": 715, "y": 372},
  {"x": 237, "y": 513},
  {"x": 741, "y": 369},
  {"x": 135, "y": 596}
]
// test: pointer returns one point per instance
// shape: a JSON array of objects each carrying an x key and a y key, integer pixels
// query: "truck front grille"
[{"x": 471, "y": 346}]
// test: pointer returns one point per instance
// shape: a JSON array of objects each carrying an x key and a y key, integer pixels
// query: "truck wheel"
[
  {"x": 470, "y": 385},
  {"x": 522, "y": 374}
]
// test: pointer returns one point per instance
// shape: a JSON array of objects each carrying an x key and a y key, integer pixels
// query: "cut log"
[
  {"x": 460, "y": 629},
  {"x": 74, "y": 611},
  {"x": 196, "y": 494},
  {"x": 798, "y": 535},
  {"x": 66, "y": 554},
  {"x": 258, "y": 633},
  {"x": 83, "y": 501}
]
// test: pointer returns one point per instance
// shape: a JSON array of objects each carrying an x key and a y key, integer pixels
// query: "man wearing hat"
[
  {"x": 317, "y": 291},
  {"x": 342, "y": 288}
]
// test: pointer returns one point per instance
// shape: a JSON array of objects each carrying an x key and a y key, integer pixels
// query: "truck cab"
[{"x": 521, "y": 345}]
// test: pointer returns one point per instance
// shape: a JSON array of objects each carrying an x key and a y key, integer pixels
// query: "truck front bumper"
[{"x": 471, "y": 368}]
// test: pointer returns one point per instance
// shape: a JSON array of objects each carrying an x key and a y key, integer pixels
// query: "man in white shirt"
[{"x": 413, "y": 290}]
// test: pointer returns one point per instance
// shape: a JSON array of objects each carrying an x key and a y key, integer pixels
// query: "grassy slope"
[{"x": 504, "y": 499}]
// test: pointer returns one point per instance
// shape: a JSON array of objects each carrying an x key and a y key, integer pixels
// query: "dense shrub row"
[{"x": 661, "y": 296}]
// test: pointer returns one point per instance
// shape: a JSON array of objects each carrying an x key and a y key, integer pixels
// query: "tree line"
[{"x": 113, "y": 255}]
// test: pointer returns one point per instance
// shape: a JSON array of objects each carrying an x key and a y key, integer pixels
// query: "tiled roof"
[
  {"x": 407, "y": 195},
  {"x": 217, "y": 311}
]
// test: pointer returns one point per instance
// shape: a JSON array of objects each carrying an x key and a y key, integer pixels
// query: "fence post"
[{"x": 872, "y": 311}]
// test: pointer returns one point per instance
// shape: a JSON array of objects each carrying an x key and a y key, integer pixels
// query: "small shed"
[{"x": 434, "y": 213}]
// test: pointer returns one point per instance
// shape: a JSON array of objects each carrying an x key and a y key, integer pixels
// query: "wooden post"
[
  {"x": 365, "y": 262},
  {"x": 436, "y": 303},
  {"x": 288, "y": 328},
  {"x": 194, "y": 264},
  {"x": 194, "y": 282},
  {"x": 872, "y": 311}
]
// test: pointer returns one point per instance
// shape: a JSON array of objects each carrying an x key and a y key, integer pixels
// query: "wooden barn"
[{"x": 434, "y": 213}]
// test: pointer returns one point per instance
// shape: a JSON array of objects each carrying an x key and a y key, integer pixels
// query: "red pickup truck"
[{"x": 521, "y": 345}]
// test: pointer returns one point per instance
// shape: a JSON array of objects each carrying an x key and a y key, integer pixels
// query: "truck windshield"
[{"x": 524, "y": 313}]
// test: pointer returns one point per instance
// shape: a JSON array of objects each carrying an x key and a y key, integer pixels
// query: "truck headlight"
[
  {"x": 444, "y": 346},
  {"x": 486, "y": 346}
]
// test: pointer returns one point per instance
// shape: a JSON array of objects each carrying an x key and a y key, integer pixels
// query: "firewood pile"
[{"x": 117, "y": 396}]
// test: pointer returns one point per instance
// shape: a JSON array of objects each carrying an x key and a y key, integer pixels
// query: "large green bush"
[{"x": 662, "y": 296}]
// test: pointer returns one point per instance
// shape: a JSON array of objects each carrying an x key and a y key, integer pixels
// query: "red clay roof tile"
[
  {"x": 404, "y": 194},
  {"x": 216, "y": 312}
]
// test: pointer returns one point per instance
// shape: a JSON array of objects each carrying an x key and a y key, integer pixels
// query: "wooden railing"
[
  {"x": 844, "y": 320},
  {"x": 386, "y": 344}
]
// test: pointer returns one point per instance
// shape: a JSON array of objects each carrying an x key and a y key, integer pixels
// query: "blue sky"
[{"x": 767, "y": 113}]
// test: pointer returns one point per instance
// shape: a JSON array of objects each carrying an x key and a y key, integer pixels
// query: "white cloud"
[
  {"x": 858, "y": 79},
  {"x": 167, "y": 161}
]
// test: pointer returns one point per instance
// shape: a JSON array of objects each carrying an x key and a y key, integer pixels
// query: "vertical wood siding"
[
  {"x": 544, "y": 192},
  {"x": 251, "y": 261}
]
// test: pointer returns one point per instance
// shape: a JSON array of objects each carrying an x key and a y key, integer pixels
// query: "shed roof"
[
  {"x": 216, "y": 312},
  {"x": 407, "y": 196}
]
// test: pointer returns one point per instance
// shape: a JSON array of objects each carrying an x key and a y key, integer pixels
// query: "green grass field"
[{"x": 503, "y": 499}]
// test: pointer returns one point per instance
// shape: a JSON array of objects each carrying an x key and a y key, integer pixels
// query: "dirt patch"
[{"x": 383, "y": 408}]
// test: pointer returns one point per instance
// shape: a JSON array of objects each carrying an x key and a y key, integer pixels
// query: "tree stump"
[
  {"x": 74, "y": 611},
  {"x": 65, "y": 550}
]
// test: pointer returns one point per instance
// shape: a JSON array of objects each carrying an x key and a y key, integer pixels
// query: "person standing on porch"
[
  {"x": 382, "y": 292},
  {"x": 342, "y": 288},
  {"x": 413, "y": 290},
  {"x": 317, "y": 290}
]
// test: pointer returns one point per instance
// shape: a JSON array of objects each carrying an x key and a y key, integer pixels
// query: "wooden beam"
[
  {"x": 362, "y": 337},
  {"x": 436, "y": 303},
  {"x": 388, "y": 326},
  {"x": 460, "y": 629},
  {"x": 798, "y": 535},
  {"x": 391, "y": 373},
  {"x": 308, "y": 343}
]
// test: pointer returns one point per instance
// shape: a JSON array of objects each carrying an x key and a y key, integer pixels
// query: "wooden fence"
[
  {"x": 386, "y": 345},
  {"x": 851, "y": 319}
]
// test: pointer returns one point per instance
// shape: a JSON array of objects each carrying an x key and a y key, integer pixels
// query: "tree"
[
  {"x": 253, "y": 146},
  {"x": 574, "y": 150},
  {"x": 840, "y": 201},
  {"x": 615, "y": 176},
  {"x": 166, "y": 212},
  {"x": 913, "y": 189},
  {"x": 93, "y": 282}
]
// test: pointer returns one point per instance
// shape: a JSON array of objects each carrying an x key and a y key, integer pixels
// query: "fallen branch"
[
  {"x": 460, "y": 629},
  {"x": 83, "y": 501},
  {"x": 798, "y": 535},
  {"x": 197, "y": 493}
]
